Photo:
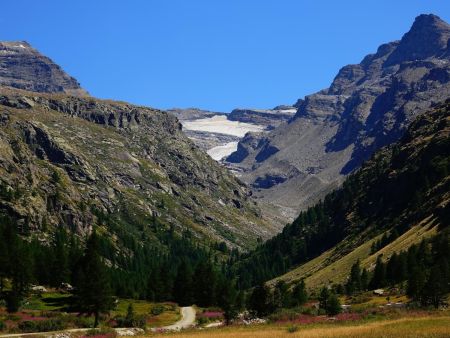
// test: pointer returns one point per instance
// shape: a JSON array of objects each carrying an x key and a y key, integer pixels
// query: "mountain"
[
  {"x": 218, "y": 133},
  {"x": 23, "y": 67},
  {"x": 76, "y": 162},
  {"x": 396, "y": 199},
  {"x": 66, "y": 156},
  {"x": 367, "y": 106}
]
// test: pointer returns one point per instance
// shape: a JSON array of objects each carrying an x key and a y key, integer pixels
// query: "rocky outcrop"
[
  {"x": 75, "y": 162},
  {"x": 270, "y": 118},
  {"x": 23, "y": 67},
  {"x": 367, "y": 106}
]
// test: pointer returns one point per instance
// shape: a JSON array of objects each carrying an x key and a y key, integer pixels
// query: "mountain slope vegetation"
[
  {"x": 80, "y": 162},
  {"x": 404, "y": 185}
]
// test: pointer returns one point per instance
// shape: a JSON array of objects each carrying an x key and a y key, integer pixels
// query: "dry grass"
[
  {"x": 432, "y": 327},
  {"x": 322, "y": 270}
]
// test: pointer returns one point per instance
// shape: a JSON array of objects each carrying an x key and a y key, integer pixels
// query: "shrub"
[
  {"x": 28, "y": 326},
  {"x": 82, "y": 321},
  {"x": 2, "y": 325},
  {"x": 54, "y": 324},
  {"x": 202, "y": 320},
  {"x": 140, "y": 321},
  {"x": 292, "y": 329},
  {"x": 157, "y": 310}
]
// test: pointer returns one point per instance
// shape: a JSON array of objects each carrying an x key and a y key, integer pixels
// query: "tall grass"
[{"x": 427, "y": 327}]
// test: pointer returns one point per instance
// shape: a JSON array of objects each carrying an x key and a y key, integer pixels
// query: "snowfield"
[
  {"x": 219, "y": 152},
  {"x": 220, "y": 124}
]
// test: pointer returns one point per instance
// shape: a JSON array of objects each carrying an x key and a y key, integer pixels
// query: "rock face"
[
  {"x": 72, "y": 161},
  {"x": 367, "y": 106},
  {"x": 23, "y": 67},
  {"x": 270, "y": 118}
]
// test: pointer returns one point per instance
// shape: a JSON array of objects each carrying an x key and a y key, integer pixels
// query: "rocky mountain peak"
[
  {"x": 428, "y": 36},
  {"x": 23, "y": 67}
]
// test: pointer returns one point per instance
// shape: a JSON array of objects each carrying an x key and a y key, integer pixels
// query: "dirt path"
[
  {"x": 123, "y": 331},
  {"x": 186, "y": 321}
]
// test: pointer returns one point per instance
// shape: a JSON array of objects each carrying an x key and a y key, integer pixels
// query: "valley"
[{"x": 326, "y": 218}]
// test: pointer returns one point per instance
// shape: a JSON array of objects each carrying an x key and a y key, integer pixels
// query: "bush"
[
  {"x": 28, "y": 326},
  {"x": 202, "y": 321},
  {"x": 54, "y": 324},
  {"x": 140, "y": 321},
  {"x": 2, "y": 325},
  {"x": 292, "y": 329},
  {"x": 136, "y": 321},
  {"x": 84, "y": 321},
  {"x": 157, "y": 310}
]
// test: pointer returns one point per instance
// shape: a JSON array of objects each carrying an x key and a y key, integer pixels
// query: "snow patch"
[
  {"x": 219, "y": 152},
  {"x": 221, "y": 125}
]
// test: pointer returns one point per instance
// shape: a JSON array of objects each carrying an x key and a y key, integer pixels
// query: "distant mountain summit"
[
  {"x": 428, "y": 37},
  {"x": 367, "y": 106},
  {"x": 23, "y": 67}
]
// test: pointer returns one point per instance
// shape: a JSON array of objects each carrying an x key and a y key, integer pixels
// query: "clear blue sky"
[{"x": 213, "y": 54}]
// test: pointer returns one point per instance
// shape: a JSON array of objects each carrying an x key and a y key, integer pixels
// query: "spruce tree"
[
  {"x": 93, "y": 293},
  {"x": 323, "y": 298},
  {"x": 333, "y": 306},
  {"x": 379, "y": 274},
  {"x": 299, "y": 294},
  {"x": 183, "y": 285}
]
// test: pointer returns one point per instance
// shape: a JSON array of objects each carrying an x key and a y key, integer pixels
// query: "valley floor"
[{"x": 434, "y": 326}]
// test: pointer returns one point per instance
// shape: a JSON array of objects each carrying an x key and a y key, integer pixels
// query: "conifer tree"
[
  {"x": 299, "y": 294},
  {"x": 93, "y": 293}
]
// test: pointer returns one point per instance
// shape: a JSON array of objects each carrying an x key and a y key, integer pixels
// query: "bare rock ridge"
[
  {"x": 367, "y": 106},
  {"x": 23, "y": 67}
]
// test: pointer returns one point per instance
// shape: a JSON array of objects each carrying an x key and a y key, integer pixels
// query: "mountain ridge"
[{"x": 367, "y": 106}]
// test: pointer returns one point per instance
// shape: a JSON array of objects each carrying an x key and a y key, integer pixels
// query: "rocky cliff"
[
  {"x": 367, "y": 106},
  {"x": 23, "y": 67},
  {"x": 77, "y": 162}
]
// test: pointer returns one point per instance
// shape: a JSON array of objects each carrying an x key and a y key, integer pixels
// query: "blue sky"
[{"x": 213, "y": 54}]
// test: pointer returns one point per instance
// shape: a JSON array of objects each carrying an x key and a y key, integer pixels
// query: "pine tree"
[
  {"x": 354, "y": 281},
  {"x": 416, "y": 283},
  {"x": 364, "y": 280},
  {"x": 183, "y": 286},
  {"x": 333, "y": 305},
  {"x": 323, "y": 298},
  {"x": 299, "y": 294},
  {"x": 93, "y": 293},
  {"x": 379, "y": 274},
  {"x": 205, "y": 284},
  {"x": 59, "y": 266},
  {"x": 259, "y": 301}
]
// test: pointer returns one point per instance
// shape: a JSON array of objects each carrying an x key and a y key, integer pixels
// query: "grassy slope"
[{"x": 327, "y": 268}]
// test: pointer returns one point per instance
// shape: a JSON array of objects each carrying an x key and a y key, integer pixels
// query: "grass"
[
  {"x": 170, "y": 315},
  {"x": 49, "y": 301},
  {"x": 432, "y": 327},
  {"x": 326, "y": 269}
]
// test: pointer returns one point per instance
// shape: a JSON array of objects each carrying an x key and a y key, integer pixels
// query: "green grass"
[
  {"x": 49, "y": 301},
  {"x": 170, "y": 315}
]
